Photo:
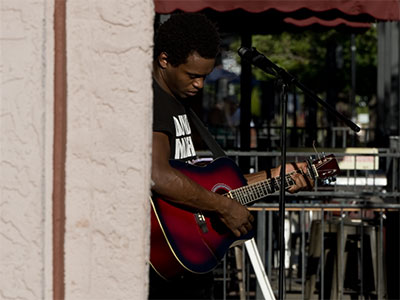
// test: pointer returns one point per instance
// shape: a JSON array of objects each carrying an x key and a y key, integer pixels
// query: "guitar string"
[
  {"x": 250, "y": 193},
  {"x": 239, "y": 193}
]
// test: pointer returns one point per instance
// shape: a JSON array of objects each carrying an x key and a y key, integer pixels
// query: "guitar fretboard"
[{"x": 253, "y": 192}]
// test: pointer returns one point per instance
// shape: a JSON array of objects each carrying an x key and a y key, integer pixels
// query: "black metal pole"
[
  {"x": 245, "y": 106},
  {"x": 353, "y": 84},
  {"x": 284, "y": 99}
]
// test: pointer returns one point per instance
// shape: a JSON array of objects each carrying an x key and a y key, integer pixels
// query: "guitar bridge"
[{"x": 201, "y": 221}]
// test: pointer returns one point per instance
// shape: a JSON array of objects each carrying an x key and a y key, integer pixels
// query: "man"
[{"x": 184, "y": 54}]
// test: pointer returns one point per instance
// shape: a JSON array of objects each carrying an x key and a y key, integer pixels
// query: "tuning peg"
[{"x": 328, "y": 180}]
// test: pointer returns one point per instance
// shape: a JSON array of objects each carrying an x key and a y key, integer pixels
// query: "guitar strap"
[{"x": 206, "y": 135}]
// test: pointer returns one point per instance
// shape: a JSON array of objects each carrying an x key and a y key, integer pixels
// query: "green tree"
[{"x": 305, "y": 55}]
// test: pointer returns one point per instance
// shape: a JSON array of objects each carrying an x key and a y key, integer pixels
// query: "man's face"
[{"x": 187, "y": 79}]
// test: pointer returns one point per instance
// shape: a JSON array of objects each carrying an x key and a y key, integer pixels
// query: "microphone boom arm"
[{"x": 262, "y": 62}]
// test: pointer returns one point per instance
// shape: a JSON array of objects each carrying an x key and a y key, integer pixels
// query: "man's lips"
[{"x": 191, "y": 93}]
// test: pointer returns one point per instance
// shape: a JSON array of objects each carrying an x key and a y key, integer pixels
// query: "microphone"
[
  {"x": 257, "y": 59},
  {"x": 260, "y": 61}
]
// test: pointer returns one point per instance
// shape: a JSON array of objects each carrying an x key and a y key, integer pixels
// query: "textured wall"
[
  {"x": 109, "y": 54},
  {"x": 26, "y": 120},
  {"x": 108, "y": 148}
]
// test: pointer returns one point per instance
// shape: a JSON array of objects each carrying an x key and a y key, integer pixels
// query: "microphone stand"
[
  {"x": 284, "y": 99},
  {"x": 285, "y": 79}
]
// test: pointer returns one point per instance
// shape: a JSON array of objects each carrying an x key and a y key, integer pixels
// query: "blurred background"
[{"x": 342, "y": 239}]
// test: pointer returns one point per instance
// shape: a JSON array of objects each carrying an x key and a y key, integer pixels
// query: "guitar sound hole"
[{"x": 221, "y": 191}]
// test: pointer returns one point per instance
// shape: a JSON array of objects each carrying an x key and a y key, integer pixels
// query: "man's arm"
[{"x": 176, "y": 187}]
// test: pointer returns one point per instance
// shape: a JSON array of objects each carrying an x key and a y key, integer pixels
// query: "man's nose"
[{"x": 198, "y": 83}]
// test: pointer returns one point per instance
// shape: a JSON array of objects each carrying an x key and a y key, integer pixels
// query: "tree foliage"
[{"x": 322, "y": 60}]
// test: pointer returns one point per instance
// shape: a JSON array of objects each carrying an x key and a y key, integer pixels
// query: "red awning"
[
  {"x": 377, "y": 9},
  {"x": 326, "y": 23}
]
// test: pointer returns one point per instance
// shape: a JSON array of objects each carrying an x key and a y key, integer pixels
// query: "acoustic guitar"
[{"x": 187, "y": 240}]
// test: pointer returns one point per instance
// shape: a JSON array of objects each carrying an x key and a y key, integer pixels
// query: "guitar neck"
[{"x": 248, "y": 194}]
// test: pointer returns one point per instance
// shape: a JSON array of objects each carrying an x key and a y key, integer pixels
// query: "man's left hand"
[{"x": 303, "y": 182}]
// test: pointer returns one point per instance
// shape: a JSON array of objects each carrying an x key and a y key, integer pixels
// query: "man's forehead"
[{"x": 197, "y": 65}]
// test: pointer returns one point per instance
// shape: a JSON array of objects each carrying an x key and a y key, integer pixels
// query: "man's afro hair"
[{"x": 185, "y": 33}]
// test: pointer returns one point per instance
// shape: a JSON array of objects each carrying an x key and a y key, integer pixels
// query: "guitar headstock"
[{"x": 324, "y": 167}]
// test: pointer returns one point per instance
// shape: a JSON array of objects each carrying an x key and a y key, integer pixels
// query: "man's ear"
[{"x": 163, "y": 60}]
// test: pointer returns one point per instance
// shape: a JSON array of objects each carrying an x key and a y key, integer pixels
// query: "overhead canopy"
[
  {"x": 314, "y": 21},
  {"x": 352, "y": 10}
]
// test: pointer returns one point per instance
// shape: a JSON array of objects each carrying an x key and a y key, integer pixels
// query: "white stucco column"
[
  {"x": 109, "y": 56},
  {"x": 26, "y": 137},
  {"x": 108, "y": 149}
]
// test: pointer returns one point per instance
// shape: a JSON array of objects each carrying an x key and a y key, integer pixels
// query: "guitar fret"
[
  {"x": 238, "y": 196},
  {"x": 270, "y": 188},
  {"x": 243, "y": 196},
  {"x": 277, "y": 179},
  {"x": 233, "y": 194},
  {"x": 287, "y": 178},
  {"x": 255, "y": 193},
  {"x": 265, "y": 188},
  {"x": 262, "y": 190},
  {"x": 251, "y": 195},
  {"x": 259, "y": 191}
]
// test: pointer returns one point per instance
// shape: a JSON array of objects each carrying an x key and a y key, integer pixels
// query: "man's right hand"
[{"x": 235, "y": 216}]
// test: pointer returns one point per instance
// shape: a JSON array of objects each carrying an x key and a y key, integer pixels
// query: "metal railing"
[
  {"x": 334, "y": 235},
  {"x": 297, "y": 136}
]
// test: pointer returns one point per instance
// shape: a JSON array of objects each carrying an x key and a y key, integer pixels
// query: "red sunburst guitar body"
[{"x": 187, "y": 240}]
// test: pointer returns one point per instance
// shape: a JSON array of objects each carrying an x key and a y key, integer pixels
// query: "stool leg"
[
  {"x": 381, "y": 273},
  {"x": 314, "y": 253},
  {"x": 240, "y": 274},
  {"x": 340, "y": 262}
]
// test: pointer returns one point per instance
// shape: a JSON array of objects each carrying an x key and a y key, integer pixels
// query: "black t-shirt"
[{"x": 169, "y": 117}]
